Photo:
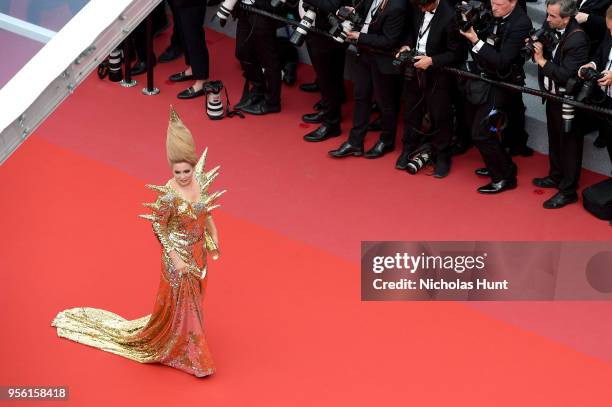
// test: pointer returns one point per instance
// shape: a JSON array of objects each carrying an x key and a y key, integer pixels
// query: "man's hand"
[
  {"x": 582, "y": 17},
  {"x": 350, "y": 9},
  {"x": 470, "y": 35},
  {"x": 538, "y": 55},
  {"x": 353, "y": 35},
  {"x": 589, "y": 65},
  {"x": 402, "y": 49},
  {"x": 423, "y": 62},
  {"x": 606, "y": 80}
]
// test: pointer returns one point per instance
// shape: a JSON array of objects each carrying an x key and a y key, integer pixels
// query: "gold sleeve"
[
  {"x": 209, "y": 243},
  {"x": 162, "y": 211}
]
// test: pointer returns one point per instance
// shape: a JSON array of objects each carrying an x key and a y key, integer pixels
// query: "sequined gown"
[{"x": 173, "y": 334}]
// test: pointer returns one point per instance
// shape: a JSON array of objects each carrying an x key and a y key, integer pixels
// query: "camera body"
[
  {"x": 405, "y": 61},
  {"x": 543, "y": 35},
  {"x": 473, "y": 14},
  {"x": 586, "y": 89},
  {"x": 343, "y": 22}
]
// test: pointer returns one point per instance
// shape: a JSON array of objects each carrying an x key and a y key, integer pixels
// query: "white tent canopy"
[{"x": 64, "y": 61}]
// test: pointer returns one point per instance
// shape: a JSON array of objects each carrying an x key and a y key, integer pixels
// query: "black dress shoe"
[
  {"x": 347, "y": 149},
  {"x": 442, "y": 166},
  {"x": 139, "y": 68},
  {"x": 180, "y": 77},
  {"x": 260, "y": 108},
  {"x": 600, "y": 142},
  {"x": 170, "y": 54},
  {"x": 289, "y": 73},
  {"x": 482, "y": 172},
  {"x": 323, "y": 132},
  {"x": 546, "y": 182},
  {"x": 316, "y": 117},
  {"x": 497, "y": 187},
  {"x": 378, "y": 150},
  {"x": 318, "y": 106},
  {"x": 309, "y": 87},
  {"x": 248, "y": 100},
  {"x": 376, "y": 124},
  {"x": 403, "y": 159},
  {"x": 190, "y": 93},
  {"x": 559, "y": 200}
]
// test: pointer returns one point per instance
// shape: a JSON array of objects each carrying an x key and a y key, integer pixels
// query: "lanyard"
[{"x": 422, "y": 31}]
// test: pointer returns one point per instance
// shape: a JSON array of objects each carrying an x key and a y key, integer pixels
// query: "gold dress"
[{"x": 173, "y": 334}]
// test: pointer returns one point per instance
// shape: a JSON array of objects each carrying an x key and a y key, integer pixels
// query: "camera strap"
[
  {"x": 228, "y": 107},
  {"x": 560, "y": 51}
]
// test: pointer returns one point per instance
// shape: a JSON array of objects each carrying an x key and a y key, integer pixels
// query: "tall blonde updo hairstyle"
[{"x": 180, "y": 146}]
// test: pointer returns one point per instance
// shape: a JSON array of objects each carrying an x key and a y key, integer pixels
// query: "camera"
[
  {"x": 473, "y": 14},
  {"x": 405, "y": 61},
  {"x": 543, "y": 35},
  {"x": 298, "y": 36},
  {"x": 343, "y": 22},
  {"x": 586, "y": 89},
  {"x": 214, "y": 103},
  {"x": 418, "y": 161},
  {"x": 224, "y": 11}
]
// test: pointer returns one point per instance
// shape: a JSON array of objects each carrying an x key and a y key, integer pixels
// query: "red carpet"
[{"x": 283, "y": 315}]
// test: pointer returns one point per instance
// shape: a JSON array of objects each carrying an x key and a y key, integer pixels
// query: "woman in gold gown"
[{"x": 173, "y": 334}]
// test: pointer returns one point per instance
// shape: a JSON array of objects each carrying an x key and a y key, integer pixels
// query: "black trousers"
[
  {"x": 496, "y": 159},
  {"x": 257, "y": 48},
  {"x": 191, "y": 22},
  {"x": 175, "y": 40},
  {"x": 564, "y": 150},
  {"x": 369, "y": 84},
  {"x": 515, "y": 136},
  {"x": 140, "y": 32},
  {"x": 424, "y": 93},
  {"x": 327, "y": 57}
]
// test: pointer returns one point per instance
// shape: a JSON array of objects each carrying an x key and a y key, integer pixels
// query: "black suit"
[
  {"x": 375, "y": 74},
  {"x": 565, "y": 149},
  {"x": 595, "y": 26},
  {"x": 601, "y": 59},
  {"x": 430, "y": 90},
  {"x": 502, "y": 62},
  {"x": 327, "y": 57}
]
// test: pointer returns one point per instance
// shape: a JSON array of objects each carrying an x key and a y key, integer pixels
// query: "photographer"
[
  {"x": 496, "y": 52},
  {"x": 603, "y": 60},
  {"x": 555, "y": 67},
  {"x": 259, "y": 56},
  {"x": 375, "y": 75},
  {"x": 436, "y": 40},
  {"x": 327, "y": 57}
]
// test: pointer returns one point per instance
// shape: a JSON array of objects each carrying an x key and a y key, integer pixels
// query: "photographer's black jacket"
[
  {"x": 444, "y": 43},
  {"x": 595, "y": 26},
  {"x": 572, "y": 53},
  {"x": 386, "y": 30},
  {"x": 506, "y": 58},
  {"x": 601, "y": 56}
]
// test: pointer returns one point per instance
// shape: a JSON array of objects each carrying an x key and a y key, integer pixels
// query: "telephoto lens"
[
  {"x": 300, "y": 32},
  {"x": 224, "y": 11},
  {"x": 418, "y": 161},
  {"x": 214, "y": 102},
  {"x": 567, "y": 112},
  {"x": 115, "y": 74}
]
